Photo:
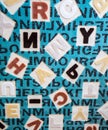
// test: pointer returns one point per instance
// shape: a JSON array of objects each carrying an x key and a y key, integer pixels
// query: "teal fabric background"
[{"x": 84, "y": 55}]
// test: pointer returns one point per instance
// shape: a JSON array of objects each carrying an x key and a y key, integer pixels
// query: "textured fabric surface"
[{"x": 83, "y": 55}]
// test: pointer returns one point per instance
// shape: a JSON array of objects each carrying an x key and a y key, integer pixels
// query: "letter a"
[
  {"x": 79, "y": 115},
  {"x": 42, "y": 74},
  {"x": 103, "y": 62},
  {"x": 36, "y": 123}
]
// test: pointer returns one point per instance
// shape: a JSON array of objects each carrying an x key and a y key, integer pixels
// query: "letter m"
[{"x": 58, "y": 47}]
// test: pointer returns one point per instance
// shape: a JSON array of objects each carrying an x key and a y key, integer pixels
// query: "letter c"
[{"x": 63, "y": 95}]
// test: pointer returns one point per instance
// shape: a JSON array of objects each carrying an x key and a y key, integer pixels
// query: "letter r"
[{"x": 40, "y": 11}]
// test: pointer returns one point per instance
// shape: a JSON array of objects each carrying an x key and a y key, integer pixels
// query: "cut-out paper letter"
[
  {"x": 86, "y": 35},
  {"x": 30, "y": 40},
  {"x": 80, "y": 113},
  {"x": 101, "y": 62},
  {"x": 12, "y": 5},
  {"x": 6, "y": 26},
  {"x": 34, "y": 101},
  {"x": 100, "y": 6},
  {"x": 43, "y": 75},
  {"x": 58, "y": 47},
  {"x": 68, "y": 10},
  {"x": 104, "y": 110},
  {"x": 90, "y": 90},
  {"x": 12, "y": 110},
  {"x": 7, "y": 89},
  {"x": 60, "y": 98},
  {"x": 56, "y": 122},
  {"x": 33, "y": 123},
  {"x": 16, "y": 65},
  {"x": 40, "y": 10},
  {"x": 73, "y": 71}
]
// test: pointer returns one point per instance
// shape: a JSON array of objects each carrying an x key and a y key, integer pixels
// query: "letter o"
[{"x": 67, "y": 9}]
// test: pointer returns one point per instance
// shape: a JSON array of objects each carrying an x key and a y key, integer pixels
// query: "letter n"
[{"x": 30, "y": 40}]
